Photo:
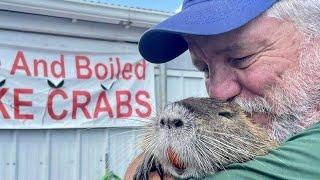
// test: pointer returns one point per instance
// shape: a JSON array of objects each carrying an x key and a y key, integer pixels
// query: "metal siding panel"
[
  {"x": 157, "y": 92},
  {"x": 194, "y": 87},
  {"x": 6, "y": 150},
  {"x": 47, "y": 155},
  {"x": 14, "y": 171},
  {"x": 30, "y": 154},
  {"x": 123, "y": 148},
  {"x": 77, "y": 154},
  {"x": 174, "y": 89},
  {"x": 62, "y": 157},
  {"x": 182, "y": 62},
  {"x": 93, "y": 143}
]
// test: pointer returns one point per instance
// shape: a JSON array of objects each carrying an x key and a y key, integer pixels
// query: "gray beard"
[
  {"x": 291, "y": 107},
  {"x": 284, "y": 127},
  {"x": 281, "y": 127}
]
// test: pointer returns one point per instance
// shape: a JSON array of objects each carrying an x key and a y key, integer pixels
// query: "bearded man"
[{"x": 263, "y": 55}]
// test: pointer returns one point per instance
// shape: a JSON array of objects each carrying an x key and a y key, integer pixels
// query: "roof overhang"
[{"x": 89, "y": 11}]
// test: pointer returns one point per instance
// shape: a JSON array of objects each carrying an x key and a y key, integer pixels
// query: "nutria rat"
[{"x": 194, "y": 137}]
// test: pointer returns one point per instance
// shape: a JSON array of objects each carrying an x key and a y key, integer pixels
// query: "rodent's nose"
[{"x": 171, "y": 123}]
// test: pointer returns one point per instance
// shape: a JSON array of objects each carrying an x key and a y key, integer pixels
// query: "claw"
[
  {"x": 159, "y": 170},
  {"x": 139, "y": 173},
  {"x": 150, "y": 164}
]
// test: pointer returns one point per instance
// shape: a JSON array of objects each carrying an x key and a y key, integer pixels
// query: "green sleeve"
[{"x": 297, "y": 158}]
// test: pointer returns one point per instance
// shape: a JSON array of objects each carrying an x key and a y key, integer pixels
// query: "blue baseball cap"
[{"x": 164, "y": 42}]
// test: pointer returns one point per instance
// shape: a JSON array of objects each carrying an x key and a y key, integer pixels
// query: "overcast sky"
[{"x": 163, "y": 5}]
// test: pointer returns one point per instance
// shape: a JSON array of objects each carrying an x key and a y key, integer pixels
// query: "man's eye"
[{"x": 241, "y": 63}]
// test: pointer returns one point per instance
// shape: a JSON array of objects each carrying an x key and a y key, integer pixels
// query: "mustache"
[{"x": 253, "y": 105}]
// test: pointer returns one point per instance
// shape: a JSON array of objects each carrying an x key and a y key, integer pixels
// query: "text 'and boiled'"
[{"x": 78, "y": 99}]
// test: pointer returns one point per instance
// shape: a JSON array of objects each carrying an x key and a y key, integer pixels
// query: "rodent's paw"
[{"x": 149, "y": 164}]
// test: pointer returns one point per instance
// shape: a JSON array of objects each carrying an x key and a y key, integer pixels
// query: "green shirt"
[{"x": 297, "y": 158}]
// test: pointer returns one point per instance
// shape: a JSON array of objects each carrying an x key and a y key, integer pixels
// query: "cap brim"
[{"x": 164, "y": 42}]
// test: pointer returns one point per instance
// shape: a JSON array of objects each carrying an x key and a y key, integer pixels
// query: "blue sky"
[{"x": 162, "y": 5}]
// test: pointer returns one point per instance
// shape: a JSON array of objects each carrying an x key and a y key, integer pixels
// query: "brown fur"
[{"x": 211, "y": 135}]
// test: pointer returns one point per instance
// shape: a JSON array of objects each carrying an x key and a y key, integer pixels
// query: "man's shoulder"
[{"x": 297, "y": 158}]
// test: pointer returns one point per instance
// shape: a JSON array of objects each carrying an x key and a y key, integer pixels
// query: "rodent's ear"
[
  {"x": 227, "y": 114},
  {"x": 189, "y": 106}
]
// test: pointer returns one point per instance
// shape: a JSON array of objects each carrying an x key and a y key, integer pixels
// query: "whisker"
[
  {"x": 231, "y": 147},
  {"x": 215, "y": 154},
  {"x": 125, "y": 132},
  {"x": 251, "y": 156},
  {"x": 236, "y": 136}
]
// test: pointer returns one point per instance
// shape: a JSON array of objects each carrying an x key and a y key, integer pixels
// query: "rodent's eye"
[
  {"x": 225, "y": 114},
  {"x": 162, "y": 121}
]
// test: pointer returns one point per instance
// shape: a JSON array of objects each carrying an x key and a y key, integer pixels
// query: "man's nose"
[{"x": 223, "y": 84}]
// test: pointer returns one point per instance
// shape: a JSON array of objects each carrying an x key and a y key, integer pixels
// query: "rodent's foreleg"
[{"x": 149, "y": 164}]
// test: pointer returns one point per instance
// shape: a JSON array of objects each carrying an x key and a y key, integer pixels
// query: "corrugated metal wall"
[
  {"x": 64, "y": 154},
  {"x": 76, "y": 154},
  {"x": 84, "y": 154}
]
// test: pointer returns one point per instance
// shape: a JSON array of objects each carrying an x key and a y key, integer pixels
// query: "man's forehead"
[
  {"x": 225, "y": 45},
  {"x": 257, "y": 31}
]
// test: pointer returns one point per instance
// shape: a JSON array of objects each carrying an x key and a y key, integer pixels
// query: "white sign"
[{"x": 46, "y": 89}]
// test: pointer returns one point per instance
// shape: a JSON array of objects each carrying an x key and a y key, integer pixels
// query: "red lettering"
[
  {"x": 16, "y": 66},
  {"x": 104, "y": 71},
  {"x": 80, "y": 105},
  {"x": 18, "y": 103},
  {"x": 3, "y": 110},
  {"x": 127, "y": 69},
  {"x": 84, "y": 67},
  {"x": 111, "y": 68},
  {"x": 59, "y": 64},
  {"x": 118, "y": 67},
  {"x": 102, "y": 105},
  {"x": 50, "y": 104},
  {"x": 140, "y": 70},
  {"x": 36, "y": 64},
  {"x": 122, "y": 103},
  {"x": 144, "y": 103}
]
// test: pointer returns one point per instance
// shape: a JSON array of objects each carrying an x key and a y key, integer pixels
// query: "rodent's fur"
[{"x": 199, "y": 136}]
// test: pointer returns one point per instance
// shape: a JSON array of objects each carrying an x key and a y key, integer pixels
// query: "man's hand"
[{"x": 132, "y": 170}]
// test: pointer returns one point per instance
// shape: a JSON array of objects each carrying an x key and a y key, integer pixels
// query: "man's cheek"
[{"x": 257, "y": 80}]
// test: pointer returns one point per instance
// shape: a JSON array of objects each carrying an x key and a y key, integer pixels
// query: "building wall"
[
  {"x": 72, "y": 154},
  {"x": 84, "y": 154}
]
